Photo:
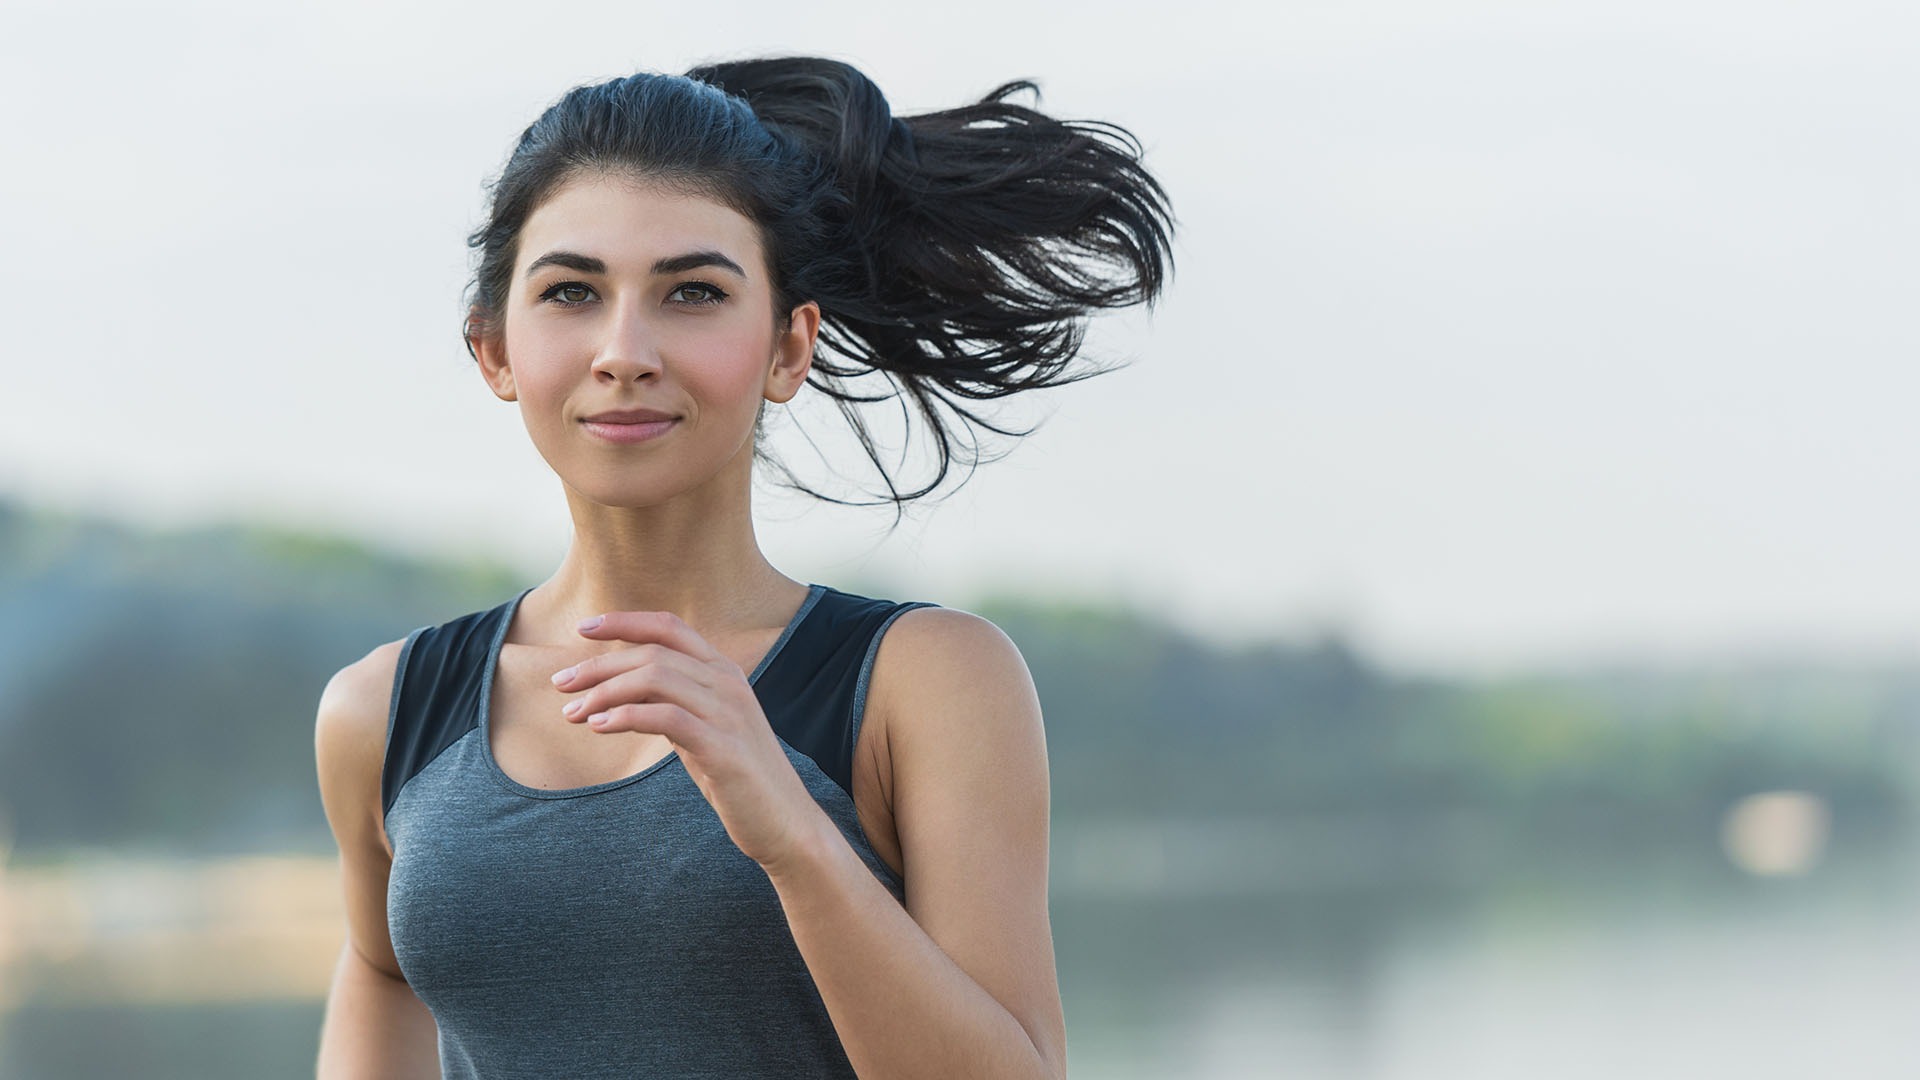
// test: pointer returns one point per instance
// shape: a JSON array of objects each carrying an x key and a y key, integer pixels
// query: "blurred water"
[
  {"x": 1674, "y": 964},
  {"x": 1650, "y": 977}
]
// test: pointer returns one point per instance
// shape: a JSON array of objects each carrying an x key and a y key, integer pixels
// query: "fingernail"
[
  {"x": 598, "y": 719},
  {"x": 562, "y": 676},
  {"x": 588, "y": 624},
  {"x": 573, "y": 706}
]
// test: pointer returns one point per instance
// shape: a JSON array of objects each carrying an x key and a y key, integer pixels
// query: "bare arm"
[
  {"x": 960, "y": 982},
  {"x": 375, "y": 1026}
]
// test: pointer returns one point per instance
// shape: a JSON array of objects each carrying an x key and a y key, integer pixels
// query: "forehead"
[{"x": 629, "y": 223}]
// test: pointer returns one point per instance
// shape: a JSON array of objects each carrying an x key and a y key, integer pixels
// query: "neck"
[{"x": 695, "y": 556}]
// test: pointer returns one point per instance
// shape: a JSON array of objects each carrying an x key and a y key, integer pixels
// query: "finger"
[
  {"x": 680, "y": 727},
  {"x": 596, "y": 669},
  {"x": 662, "y": 627},
  {"x": 650, "y": 684}
]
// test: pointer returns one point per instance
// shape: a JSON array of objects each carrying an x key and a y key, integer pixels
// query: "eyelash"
[{"x": 715, "y": 293}]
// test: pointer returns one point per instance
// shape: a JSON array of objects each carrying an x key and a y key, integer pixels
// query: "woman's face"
[{"x": 629, "y": 296}]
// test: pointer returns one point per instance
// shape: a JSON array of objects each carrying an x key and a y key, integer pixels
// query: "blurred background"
[{"x": 1476, "y": 626}]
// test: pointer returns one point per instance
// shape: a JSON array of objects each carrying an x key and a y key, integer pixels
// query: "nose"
[{"x": 627, "y": 352}]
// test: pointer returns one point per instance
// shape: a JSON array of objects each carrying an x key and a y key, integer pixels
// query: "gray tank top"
[{"x": 612, "y": 930}]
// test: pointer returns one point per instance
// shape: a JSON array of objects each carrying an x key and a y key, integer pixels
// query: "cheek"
[
  {"x": 727, "y": 370},
  {"x": 542, "y": 361}
]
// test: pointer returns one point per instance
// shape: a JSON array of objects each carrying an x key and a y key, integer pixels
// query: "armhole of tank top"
[
  {"x": 393, "y": 719},
  {"x": 866, "y": 675}
]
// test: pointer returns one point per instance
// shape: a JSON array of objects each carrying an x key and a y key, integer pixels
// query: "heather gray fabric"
[{"x": 612, "y": 930}]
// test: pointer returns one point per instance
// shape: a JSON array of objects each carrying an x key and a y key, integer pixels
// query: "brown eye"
[
  {"x": 568, "y": 293},
  {"x": 703, "y": 294}
]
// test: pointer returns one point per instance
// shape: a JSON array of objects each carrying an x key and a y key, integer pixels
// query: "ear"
[
  {"x": 491, "y": 353},
  {"x": 793, "y": 353}
]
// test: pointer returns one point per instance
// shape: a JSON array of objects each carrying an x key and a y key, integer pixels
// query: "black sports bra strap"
[
  {"x": 436, "y": 695},
  {"x": 815, "y": 691}
]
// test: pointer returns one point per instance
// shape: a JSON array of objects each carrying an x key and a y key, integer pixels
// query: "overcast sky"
[{"x": 1503, "y": 333}]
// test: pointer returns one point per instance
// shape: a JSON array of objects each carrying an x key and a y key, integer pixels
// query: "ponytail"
[{"x": 956, "y": 253}]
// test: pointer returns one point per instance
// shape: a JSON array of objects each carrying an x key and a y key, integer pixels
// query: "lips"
[
  {"x": 627, "y": 427},
  {"x": 628, "y": 416}
]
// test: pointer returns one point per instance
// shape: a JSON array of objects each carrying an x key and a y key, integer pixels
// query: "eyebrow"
[
  {"x": 672, "y": 264},
  {"x": 676, "y": 264}
]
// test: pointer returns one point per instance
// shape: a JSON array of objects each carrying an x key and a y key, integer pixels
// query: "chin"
[
  {"x": 618, "y": 496},
  {"x": 634, "y": 490}
]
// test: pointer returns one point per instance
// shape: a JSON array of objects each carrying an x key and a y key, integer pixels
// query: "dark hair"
[{"x": 955, "y": 253}]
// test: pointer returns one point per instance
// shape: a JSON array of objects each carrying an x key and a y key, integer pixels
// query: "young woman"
[{"x": 671, "y": 813}]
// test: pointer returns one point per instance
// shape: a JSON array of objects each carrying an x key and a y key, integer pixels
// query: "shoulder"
[
  {"x": 950, "y": 670},
  {"x": 936, "y": 642},
  {"x": 354, "y": 704},
  {"x": 350, "y": 731}
]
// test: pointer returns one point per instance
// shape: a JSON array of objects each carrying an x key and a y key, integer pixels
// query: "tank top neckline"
[{"x": 492, "y": 662}]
